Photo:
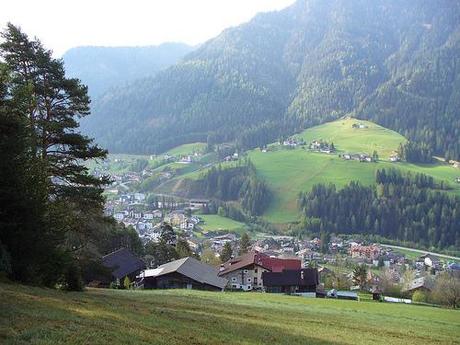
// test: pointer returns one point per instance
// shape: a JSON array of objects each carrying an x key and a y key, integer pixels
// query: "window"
[
  {"x": 233, "y": 279},
  {"x": 249, "y": 280},
  {"x": 255, "y": 270},
  {"x": 255, "y": 280},
  {"x": 234, "y": 286},
  {"x": 245, "y": 271}
]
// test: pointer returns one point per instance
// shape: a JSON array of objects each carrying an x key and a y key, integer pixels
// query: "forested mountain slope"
[
  {"x": 104, "y": 67},
  {"x": 395, "y": 62}
]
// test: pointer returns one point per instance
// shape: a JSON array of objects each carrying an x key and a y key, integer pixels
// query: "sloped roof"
[
  {"x": 191, "y": 268},
  {"x": 122, "y": 262},
  {"x": 259, "y": 259},
  {"x": 301, "y": 277},
  {"x": 422, "y": 282}
]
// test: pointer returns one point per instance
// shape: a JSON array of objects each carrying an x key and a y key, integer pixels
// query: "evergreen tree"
[
  {"x": 245, "y": 244},
  {"x": 227, "y": 252},
  {"x": 360, "y": 276},
  {"x": 40, "y": 112},
  {"x": 183, "y": 249}
]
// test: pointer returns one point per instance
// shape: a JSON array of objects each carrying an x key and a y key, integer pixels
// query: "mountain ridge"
[{"x": 312, "y": 62}]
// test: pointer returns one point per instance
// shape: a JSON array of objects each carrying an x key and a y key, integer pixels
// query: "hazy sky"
[{"x": 63, "y": 24}]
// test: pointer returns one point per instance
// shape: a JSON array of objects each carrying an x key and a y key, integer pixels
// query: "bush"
[
  {"x": 72, "y": 278},
  {"x": 127, "y": 283},
  {"x": 5, "y": 261},
  {"x": 420, "y": 297}
]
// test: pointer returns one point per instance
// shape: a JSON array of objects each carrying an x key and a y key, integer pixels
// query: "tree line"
[
  {"x": 400, "y": 206},
  {"x": 239, "y": 183}
]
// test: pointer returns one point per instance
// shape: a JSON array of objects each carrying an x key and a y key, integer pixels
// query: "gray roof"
[
  {"x": 422, "y": 282},
  {"x": 122, "y": 262},
  {"x": 191, "y": 268}
]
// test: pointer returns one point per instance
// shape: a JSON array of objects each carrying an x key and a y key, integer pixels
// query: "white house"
[
  {"x": 148, "y": 216},
  {"x": 119, "y": 216}
]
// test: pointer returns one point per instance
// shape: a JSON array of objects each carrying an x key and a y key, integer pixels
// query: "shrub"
[
  {"x": 127, "y": 282},
  {"x": 72, "y": 278},
  {"x": 420, "y": 297}
]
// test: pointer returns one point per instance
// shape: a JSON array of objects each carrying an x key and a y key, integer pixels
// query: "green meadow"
[
  {"x": 214, "y": 222},
  {"x": 40, "y": 316},
  {"x": 289, "y": 171},
  {"x": 356, "y": 140}
]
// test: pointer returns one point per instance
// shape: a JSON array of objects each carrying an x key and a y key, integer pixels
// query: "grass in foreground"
[{"x": 38, "y": 316}]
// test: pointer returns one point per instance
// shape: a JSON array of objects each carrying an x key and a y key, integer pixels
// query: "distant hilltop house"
[
  {"x": 233, "y": 157},
  {"x": 245, "y": 272},
  {"x": 359, "y": 125},
  {"x": 322, "y": 146},
  {"x": 186, "y": 273},
  {"x": 395, "y": 158},
  {"x": 455, "y": 164},
  {"x": 186, "y": 160},
  {"x": 293, "y": 142}
]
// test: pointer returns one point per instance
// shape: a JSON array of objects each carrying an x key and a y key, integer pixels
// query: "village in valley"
[
  {"x": 331, "y": 266},
  {"x": 326, "y": 267}
]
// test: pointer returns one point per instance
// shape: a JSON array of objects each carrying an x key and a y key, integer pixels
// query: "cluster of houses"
[
  {"x": 234, "y": 157},
  {"x": 322, "y": 146},
  {"x": 360, "y": 157},
  {"x": 251, "y": 271},
  {"x": 280, "y": 264},
  {"x": 293, "y": 142}
]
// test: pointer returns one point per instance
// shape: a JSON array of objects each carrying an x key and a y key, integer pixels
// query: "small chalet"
[
  {"x": 291, "y": 281},
  {"x": 245, "y": 272},
  {"x": 420, "y": 284},
  {"x": 186, "y": 273},
  {"x": 123, "y": 263}
]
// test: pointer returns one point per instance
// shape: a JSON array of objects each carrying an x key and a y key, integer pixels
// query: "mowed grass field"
[
  {"x": 214, "y": 222},
  {"x": 38, "y": 316}
]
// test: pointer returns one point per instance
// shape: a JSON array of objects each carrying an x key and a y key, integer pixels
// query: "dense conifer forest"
[
  {"x": 405, "y": 207},
  {"x": 393, "y": 62}
]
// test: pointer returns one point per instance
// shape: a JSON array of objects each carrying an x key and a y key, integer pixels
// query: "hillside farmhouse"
[
  {"x": 304, "y": 280},
  {"x": 245, "y": 272},
  {"x": 123, "y": 263},
  {"x": 186, "y": 273}
]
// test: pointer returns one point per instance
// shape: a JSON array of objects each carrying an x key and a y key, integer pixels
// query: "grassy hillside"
[
  {"x": 38, "y": 316},
  {"x": 356, "y": 140},
  {"x": 289, "y": 171}
]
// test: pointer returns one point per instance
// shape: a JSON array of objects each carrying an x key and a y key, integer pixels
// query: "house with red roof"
[{"x": 245, "y": 271}]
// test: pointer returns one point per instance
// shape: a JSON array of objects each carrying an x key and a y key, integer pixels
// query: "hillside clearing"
[
  {"x": 214, "y": 222},
  {"x": 39, "y": 316}
]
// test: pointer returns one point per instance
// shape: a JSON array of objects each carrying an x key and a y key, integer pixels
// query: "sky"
[{"x": 63, "y": 24}]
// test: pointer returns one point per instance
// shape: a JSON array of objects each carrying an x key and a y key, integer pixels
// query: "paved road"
[{"x": 422, "y": 252}]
